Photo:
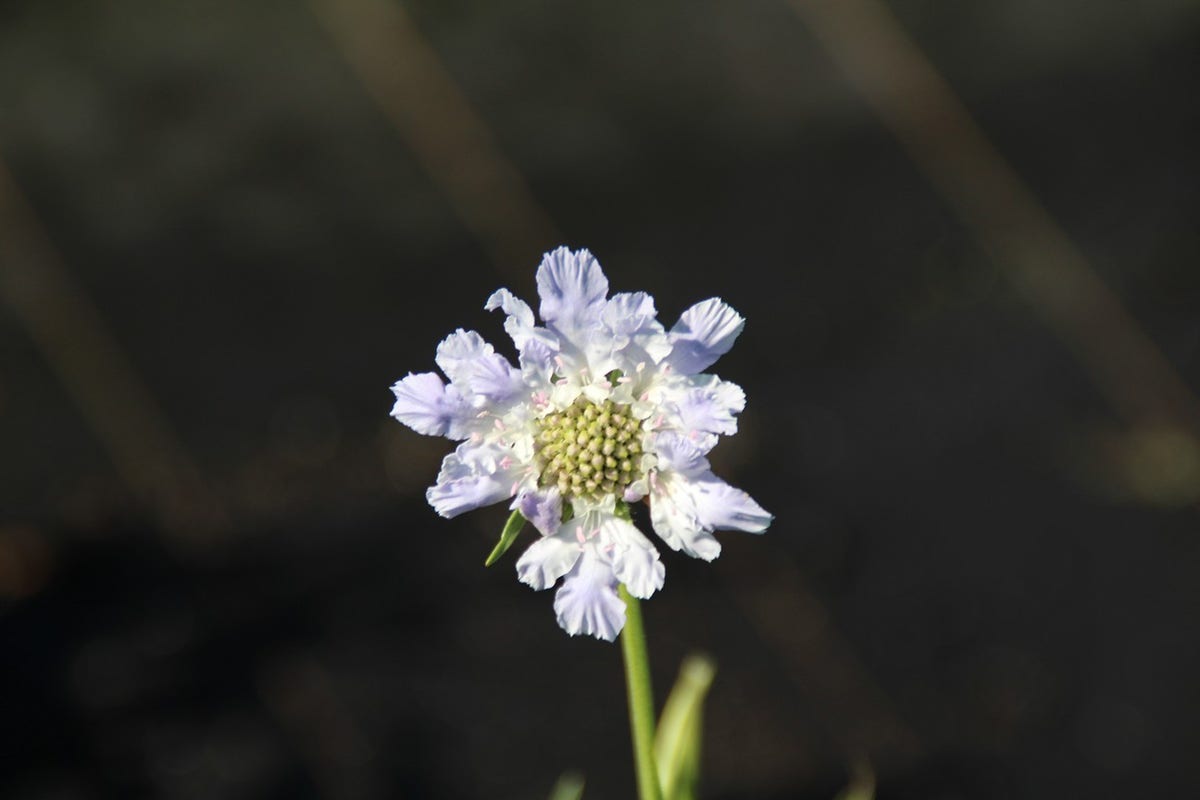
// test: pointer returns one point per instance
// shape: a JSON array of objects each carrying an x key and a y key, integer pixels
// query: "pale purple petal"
[
  {"x": 673, "y": 515},
  {"x": 676, "y": 453},
  {"x": 471, "y": 477},
  {"x": 704, "y": 333},
  {"x": 635, "y": 561},
  {"x": 519, "y": 322},
  {"x": 537, "y": 363},
  {"x": 458, "y": 352},
  {"x": 723, "y": 507},
  {"x": 547, "y": 560},
  {"x": 684, "y": 511},
  {"x": 512, "y": 305},
  {"x": 476, "y": 370},
  {"x": 572, "y": 289},
  {"x": 496, "y": 380},
  {"x": 635, "y": 334},
  {"x": 710, "y": 408},
  {"x": 453, "y": 496},
  {"x": 428, "y": 406},
  {"x": 542, "y": 507},
  {"x": 628, "y": 313},
  {"x": 587, "y": 601}
]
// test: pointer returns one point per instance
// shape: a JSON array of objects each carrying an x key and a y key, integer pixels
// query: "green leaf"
[
  {"x": 507, "y": 537},
  {"x": 862, "y": 783},
  {"x": 681, "y": 728},
  {"x": 569, "y": 787}
]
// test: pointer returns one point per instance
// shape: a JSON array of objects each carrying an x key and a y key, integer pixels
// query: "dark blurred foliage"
[{"x": 981, "y": 578}]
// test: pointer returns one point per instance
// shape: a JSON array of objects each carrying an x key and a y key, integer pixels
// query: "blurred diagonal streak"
[
  {"x": 412, "y": 87},
  {"x": 73, "y": 338},
  {"x": 854, "y": 709},
  {"x": 303, "y": 697},
  {"x": 920, "y": 108}
]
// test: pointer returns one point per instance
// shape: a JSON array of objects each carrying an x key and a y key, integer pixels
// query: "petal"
[
  {"x": 547, "y": 560},
  {"x": 673, "y": 515},
  {"x": 636, "y": 335},
  {"x": 542, "y": 507},
  {"x": 496, "y": 380},
  {"x": 519, "y": 322},
  {"x": 676, "y": 453},
  {"x": 629, "y": 313},
  {"x": 635, "y": 560},
  {"x": 428, "y": 406},
  {"x": 537, "y": 363},
  {"x": 708, "y": 408},
  {"x": 721, "y": 506},
  {"x": 472, "y": 477},
  {"x": 513, "y": 306},
  {"x": 587, "y": 601},
  {"x": 572, "y": 289},
  {"x": 457, "y": 353},
  {"x": 704, "y": 333},
  {"x": 474, "y": 367}
]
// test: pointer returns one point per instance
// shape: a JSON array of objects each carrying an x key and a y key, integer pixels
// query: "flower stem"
[{"x": 641, "y": 698}]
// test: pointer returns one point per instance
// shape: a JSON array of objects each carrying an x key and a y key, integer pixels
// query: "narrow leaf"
[
  {"x": 569, "y": 787},
  {"x": 862, "y": 783},
  {"x": 507, "y": 537},
  {"x": 681, "y": 727}
]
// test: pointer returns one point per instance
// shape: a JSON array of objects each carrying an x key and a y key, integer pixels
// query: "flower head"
[{"x": 604, "y": 408}]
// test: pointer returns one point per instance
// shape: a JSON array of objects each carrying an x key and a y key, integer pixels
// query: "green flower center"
[{"x": 589, "y": 450}]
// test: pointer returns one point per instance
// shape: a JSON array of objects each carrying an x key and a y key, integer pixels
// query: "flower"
[{"x": 605, "y": 408}]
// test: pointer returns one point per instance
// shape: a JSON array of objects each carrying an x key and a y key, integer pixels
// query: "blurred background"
[{"x": 965, "y": 239}]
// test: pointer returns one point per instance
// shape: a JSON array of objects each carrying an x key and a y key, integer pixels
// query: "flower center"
[{"x": 589, "y": 449}]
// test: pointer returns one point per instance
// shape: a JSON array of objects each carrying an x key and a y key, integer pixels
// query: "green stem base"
[{"x": 641, "y": 697}]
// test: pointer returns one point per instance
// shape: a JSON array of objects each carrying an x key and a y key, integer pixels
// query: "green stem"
[{"x": 641, "y": 698}]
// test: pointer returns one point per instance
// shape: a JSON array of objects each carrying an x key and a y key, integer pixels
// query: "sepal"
[{"x": 507, "y": 536}]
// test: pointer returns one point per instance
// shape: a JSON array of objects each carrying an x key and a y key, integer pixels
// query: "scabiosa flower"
[{"x": 605, "y": 408}]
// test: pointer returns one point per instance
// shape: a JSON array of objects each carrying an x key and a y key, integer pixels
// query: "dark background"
[{"x": 220, "y": 245}]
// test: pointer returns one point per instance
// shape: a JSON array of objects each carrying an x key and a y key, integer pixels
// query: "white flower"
[{"x": 606, "y": 408}]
